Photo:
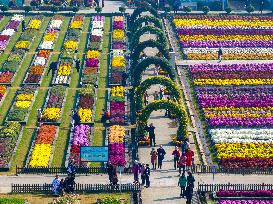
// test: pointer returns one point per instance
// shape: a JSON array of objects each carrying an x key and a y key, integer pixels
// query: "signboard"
[{"x": 94, "y": 154}]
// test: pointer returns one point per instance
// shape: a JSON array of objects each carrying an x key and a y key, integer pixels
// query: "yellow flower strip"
[
  {"x": 40, "y": 155},
  {"x": 93, "y": 54},
  {"x": 117, "y": 134},
  {"x": 225, "y": 37},
  {"x": 236, "y": 82},
  {"x": 238, "y": 115},
  {"x": 65, "y": 70},
  {"x": 34, "y": 24},
  {"x": 85, "y": 115},
  {"x": 210, "y": 22},
  {"x": 50, "y": 37},
  {"x": 202, "y": 56},
  {"x": 118, "y": 61},
  {"x": 51, "y": 114},
  {"x": 22, "y": 44},
  {"x": 23, "y": 104},
  {"x": 244, "y": 150},
  {"x": 238, "y": 108},
  {"x": 24, "y": 97},
  {"x": 117, "y": 91}
]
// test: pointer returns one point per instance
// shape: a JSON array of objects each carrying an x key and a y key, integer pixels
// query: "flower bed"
[
  {"x": 52, "y": 110},
  {"x": 117, "y": 105},
  {"x": 245, "y": 202},
  {"x": 42, "y": 147},
  {"x": 241, "y": 37},
  {"x": 3, "y": 91},
  {"x": 9, "y": 140},
  {"x": 80, "y": 136},
  {"x": 22, "y": 104},
  {"x": 66, "y": 59},
  {"x": 256, "y": 193},
  {"x": 116, "y": 145},
  {"x": 15, "y": 58},
  {"x": 96, "y": 35},
  {"x": 9, "y": 30}
]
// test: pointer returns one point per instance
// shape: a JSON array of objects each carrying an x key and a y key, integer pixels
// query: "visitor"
[
  {"x": 136, "y": 171},
  {"x": 220, "y": 53},
  {"x": 167, "y": 112},
  {"x": 147, "y": 175},
  {"x": 76, "y": 118},
  {"x": 182, "y": 182},
  {"x": 61, "y": 187},
  {"x": 115, "y": 178},
  {"x": 110, "y": 170},
  {"x": 70, "y": 183},
  {"x": 78, "y": 65},
  {"x": 146, "y": 96},
  {"x": 161, "y": 153},
  {"x": 39, "y": 116},
  {"x": 161, "y": 92},
  {"x": 142, "y": 171},
  {"x": 189, "y": 161},
  {"x": 105, "y": 116},
  {"x": 124, "y": 79},
  {"x": 151, "y": 130},
  {"x": 71, "y": 170},
  {"x": 52, "y": 68},
  {"x": 185, "y": 146},
  {"x": 23, "y": 25},
  {"x": 189, "y": 193},
  {"x": 55, "y": 185},
  {"x": 190, "y": 180},
  {"x": 102, "y": 3},
  {"x": 156, "y": 96},
  {"x": 182, "y": 163},
  {"x": 153, "y": 158},
  {"x": 176, "y": 156}
]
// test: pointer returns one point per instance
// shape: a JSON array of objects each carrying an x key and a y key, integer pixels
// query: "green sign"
[{"x": 94, "y": 154}]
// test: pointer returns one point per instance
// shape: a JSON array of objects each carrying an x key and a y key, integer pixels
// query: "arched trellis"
[
  {"x": 134, "y": 40},
  {"x": 141, "y": 67},
  {"x": 145, "y": 19},
  {"x": 173, "y": 107},
  {"x": 141, "y": 9},
  {"x": 170, "y": 85},
  {"x": 149, "y": 43}
]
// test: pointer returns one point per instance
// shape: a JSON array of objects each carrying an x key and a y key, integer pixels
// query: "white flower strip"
[
  {"x": 47, "y": 45},
  {"x": 225, "y": 27},
  {"x": 242, "y": 135},
  {"x": 17, "y": 17},
  {"x": 61, "y": 79},
  {"x": 40, "y": 61},
  {"x": 9, "y": 32},
  {"x": 97, "y": 24},
  {"x": 118, "y": 52},
  {"x": 97, "y": 32},
  {"x": 55, "y": 24},
  {"x": 236, "y": 50}
]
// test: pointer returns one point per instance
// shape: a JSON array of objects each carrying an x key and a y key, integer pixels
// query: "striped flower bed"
[
  {"x": 3, "y": 91},
  {"x": 117, "y": 105}
]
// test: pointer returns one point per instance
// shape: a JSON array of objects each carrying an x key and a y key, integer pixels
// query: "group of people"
[
  {"x": 186, "y": 185},
  {"x": 144, "y": 172},
  {"x": 61, "y": 186}
]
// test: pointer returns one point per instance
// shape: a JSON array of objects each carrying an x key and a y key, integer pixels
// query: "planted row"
[{"x": 117, "y": 105}]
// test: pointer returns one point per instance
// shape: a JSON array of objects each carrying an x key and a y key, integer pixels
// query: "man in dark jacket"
[
  {"x": 151, "y": 130},
  {"x": 161, "y": 153},
  {"x": 147, "y": 175}
]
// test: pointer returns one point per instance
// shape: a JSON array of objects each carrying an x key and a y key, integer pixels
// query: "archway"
[
  {"x": 145, "y": 19},
  {"x": 134, "y": 40},
  {"x": 141, "y": 66},
  {"x": 173, "y": 107},
  {"x": 162, "y": 80},
  {"x": 141, "y": 9},
  {"x": 149, "y": 43}
]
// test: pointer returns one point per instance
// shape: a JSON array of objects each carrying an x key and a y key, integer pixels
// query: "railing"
[
  {"x": 78, "y": 188},
  {"x": 203, "y": 169},
  {"x": 63, "y": 170},
  {"x": 233, "y": 187}
]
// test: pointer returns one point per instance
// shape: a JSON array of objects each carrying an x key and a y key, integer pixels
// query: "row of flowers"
[
  {"x": 42, "y": 147},
  {"x": 118, "y": 60},
  {"x": 52, "y": 109},
  {"x": 117, "y": 105},
  {"x": 256, "y": 193},
  {"x": 116, "y": 145},
  {"x": 15, "y": 58},
  {"x": 9, "y": 134},
  {"x": 245, "y": 202},
  {"x": 9, "y": 30},
  {"x": 23, "y": 101},
  {"x": 66, "y": 60},
  {"x": 3, "y": 91}
]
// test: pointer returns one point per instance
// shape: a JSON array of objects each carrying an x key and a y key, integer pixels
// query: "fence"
[
  {"x": 78, "y": 188},
  {"x": 63, "y": 170},
  {"x": 233, "y": 187},
  {"x": 203, "y": 169}
]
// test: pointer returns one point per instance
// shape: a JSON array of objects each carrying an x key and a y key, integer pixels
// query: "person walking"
[
  {"x": 146, "y": 97},
  {"x": 23, "y": 25},
  {"x": 156, "y": 96},
  {"x": 182, "y": 163},
  {"x": 142, "y": 174},
  {"x": 176, "y": 156},
  {"x": 185, "y": 146},
  {"x": 110, "y": 170},
  {"x": 147, "y": 175},
  {"x": 161, "y": 92},
  {"x": 167, "y": 112},
  {"x": 136, "y": 171},
  {"x": 161, "y": 153},
  {"x": 189, "y": 193},
  {"x": 55, "y": 185},
  {"x": 190, "y": 180},
  {"x": 220, "y": 53},
  {"x": 182, "y": 182},
  {"x": 153, "y": 158},
  {"x": 78, "y": 64},
  {"x": 151, "y": 131},
  {"x": 190, "y": 159}
]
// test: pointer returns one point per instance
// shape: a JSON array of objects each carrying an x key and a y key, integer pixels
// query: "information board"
[{"x": 94, "y": 154}]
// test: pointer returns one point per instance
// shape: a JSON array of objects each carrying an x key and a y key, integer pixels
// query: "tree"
[
  {"x": 54, "y": 9},
  {"x": 187, "y": 9},
  {"x": 122, "y": 9},
  {"x": 98, "y": 9},
  {"x": 11, "y": 4},
  {"x": 250, "y": 9},
  {"x": 27, "y": 9},
  {"x": 75, "y": 9},
  {"x": 34, "y": 3},
  {"x": 206, "y": 9},
  {"x": 4, "y": 8},
  {"x": 228, "y": 10}
]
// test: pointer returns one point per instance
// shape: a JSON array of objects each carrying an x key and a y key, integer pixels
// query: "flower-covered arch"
[
  {"x": 145, "y": 19},
  {"x": 170, "y": 85},
  {"x": 143, "y": 8},
  {"x": 173, "y": 107}
]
